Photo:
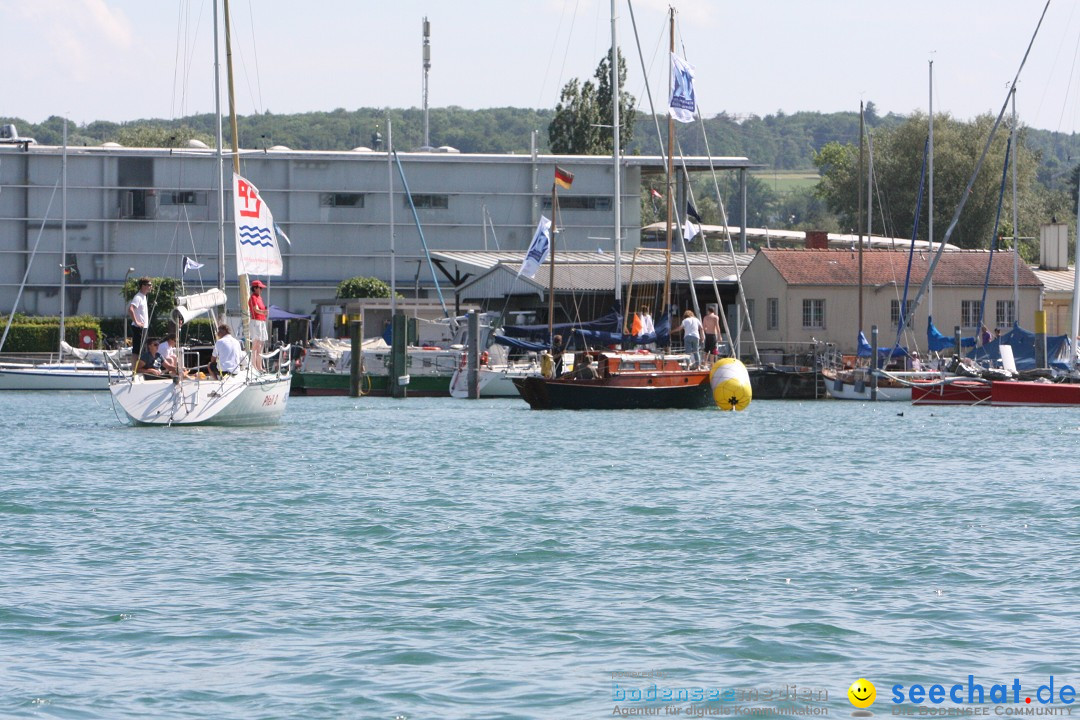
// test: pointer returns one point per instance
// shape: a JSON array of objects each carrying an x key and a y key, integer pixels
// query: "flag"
[
  {"x": 282, "y": 235},
  {"x": 656, "y": 193},
  {"x": 683, "y": 104},
  {"x": 256, "y": 242},
  {"x": 563, "y": 178},
  {"x": 538, "y": 249},
  {"x": 689, "y": 231},
  {"x": 190, "y": 264},
  {"x": 692, "y": 212}
]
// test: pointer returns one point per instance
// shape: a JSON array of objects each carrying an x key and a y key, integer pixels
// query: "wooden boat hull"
[{"x": 687, "y": 390}]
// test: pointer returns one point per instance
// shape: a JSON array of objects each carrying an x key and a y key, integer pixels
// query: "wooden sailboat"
[
  {"x": 247, "y": 397},
  {"x": 611, "y": 379}
]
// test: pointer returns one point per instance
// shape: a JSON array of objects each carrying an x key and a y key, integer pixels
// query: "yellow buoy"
[{"x": 730, "y": 384}]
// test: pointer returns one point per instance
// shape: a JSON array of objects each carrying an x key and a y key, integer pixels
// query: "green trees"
[
  {"x": 582, "y": 122},
  {"x": 898, "y": 158},
  {"x": 363, "y": 287}
]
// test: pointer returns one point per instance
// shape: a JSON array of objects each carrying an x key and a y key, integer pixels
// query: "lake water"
[{"x": 435, "y": 558}]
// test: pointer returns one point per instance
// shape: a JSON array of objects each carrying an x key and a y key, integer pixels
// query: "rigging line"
[
  {"x": 30, "y": 262},
  {"x": 648, "y": 90},
  {"x": 551, "y": 55},
  {"x": 1072, "y": 71},
  {"x": 255, "y": 51},
  {"x": 978, "y": 167},
  {"x": 902, "y": 323}
]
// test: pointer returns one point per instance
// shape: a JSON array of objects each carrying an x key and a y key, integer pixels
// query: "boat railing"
[{"x": 815, "y": 354}]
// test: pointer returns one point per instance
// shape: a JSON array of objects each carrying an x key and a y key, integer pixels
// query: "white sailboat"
[
  {"x": 85, "y": 370},
  {"x": 248, "y": 396}
]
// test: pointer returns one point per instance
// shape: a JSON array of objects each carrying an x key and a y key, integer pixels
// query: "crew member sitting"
[
  {"x": 586, "y": 371},
  {"x": 227, "y": 353},
  {"x": 150, "y": 361}
]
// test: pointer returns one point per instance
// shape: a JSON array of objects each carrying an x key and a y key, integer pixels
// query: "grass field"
[{"x": 785, "y": 181}]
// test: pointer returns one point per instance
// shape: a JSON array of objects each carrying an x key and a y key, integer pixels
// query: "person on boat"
[
  {"x": 692, "y": 332},
  {"x": 711, "y": 324},
  {"x": 227, "y": 353},
  {"x": 257, "y": 308},
  {"x": 916, "y": 363},
  {"x": 985, "y": 336},
  {"x": 149, "y": 361},
  {"x": 647, "y": 326},
  {"x": 587, "y": 371},
  {"x": 139, "y": 315},
  {"x": 557, "y": 351},
  {"x": 167, "y": 351}
]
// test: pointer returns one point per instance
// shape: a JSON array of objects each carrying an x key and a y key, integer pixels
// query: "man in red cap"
[{"x": 257, "y": 308}]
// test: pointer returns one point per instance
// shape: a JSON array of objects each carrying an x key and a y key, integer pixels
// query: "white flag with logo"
[
  {"x": 538, "y": 249},
  {"x": 190, "y": 264},
  {"x": 683, "y": 104},
  {"x": 256, "y": 242},
  {"x": 689, "y": 230}
]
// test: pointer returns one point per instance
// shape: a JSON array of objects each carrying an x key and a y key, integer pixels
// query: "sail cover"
[{"x": 257, "y": 250}]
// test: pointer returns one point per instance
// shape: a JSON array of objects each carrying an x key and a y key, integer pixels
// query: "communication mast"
[{"x": 427, "y": 67}]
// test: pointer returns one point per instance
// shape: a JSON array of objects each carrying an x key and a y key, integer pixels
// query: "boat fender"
[
  {"x": 484, "y": 358},
  {"x": 730, "y": 383}
]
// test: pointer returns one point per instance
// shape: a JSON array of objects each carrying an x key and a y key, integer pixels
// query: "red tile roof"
[{"x": 883, "y": 267}]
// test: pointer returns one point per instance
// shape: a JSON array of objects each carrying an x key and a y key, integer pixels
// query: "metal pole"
[
  {"x": 356, "y": 353},
  {"x": 873, "y": 362},
  {"x": 474, "y": 355},
  {"x": 616, "y": 148}
]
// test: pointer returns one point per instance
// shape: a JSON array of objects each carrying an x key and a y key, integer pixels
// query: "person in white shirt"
[
  {"x": 692, "y": 332},
  {"x": 139, "y": 316},
  {"x": 227, "y": 353}
]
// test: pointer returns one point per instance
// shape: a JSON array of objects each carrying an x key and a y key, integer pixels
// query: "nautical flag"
[
  {"x": 656, "y": 193},
  {"x": 683, "y": 103},
  {"x": 538, "y": 250},
  {"x": 692, "y": 212},
  {"x": 190, "y": 264},
  {"x": 256, "y": 242},
  {"x": 282, "y": 235},
  {"x": 563, "y": 178},
  {"x": 689, "y": 232}
]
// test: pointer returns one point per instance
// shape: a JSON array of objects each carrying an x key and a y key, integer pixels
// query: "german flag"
[{"x": 562, "y": 178}]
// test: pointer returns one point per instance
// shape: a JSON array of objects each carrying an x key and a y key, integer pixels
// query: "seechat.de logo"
[{"x": 862, "y": 695}]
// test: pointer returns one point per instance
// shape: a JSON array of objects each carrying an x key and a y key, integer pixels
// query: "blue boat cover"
[
  {"x": 1023, "y": 347},
  {"x": 883, "y": 353}
]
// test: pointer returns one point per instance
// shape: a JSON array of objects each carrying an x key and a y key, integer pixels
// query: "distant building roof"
[
  {"x": 1056, "y": 281},
  {"x": 885, "y": 267}
]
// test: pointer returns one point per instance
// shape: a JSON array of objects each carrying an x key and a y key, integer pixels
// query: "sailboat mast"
[
  {"x": 859, "y": 219},
  {"x": 63, "y": 240},
  {"x": 670, "y": 174},
  {"x": 930, "y": 201},
  {"x": 242, "y": 279},
  {"x": 220, "y": 155},
  {"x": 616, "y": 149},
  {"x": 390, "y": 197},
  {"x": 551, "y": 264},
  {"x": 1016, "y": 214}
]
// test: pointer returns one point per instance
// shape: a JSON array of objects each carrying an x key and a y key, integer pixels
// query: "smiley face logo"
[{"x": 862, "y": 693}]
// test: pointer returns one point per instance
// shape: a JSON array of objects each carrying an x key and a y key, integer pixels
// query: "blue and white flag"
[
  {"x": 683, "y": 104},
  {"x": 256, "y": 242},
  {"x": 190, "y": 264},
  {"x": 282, "y": 235},
  {"x": 538, "y": 249}
]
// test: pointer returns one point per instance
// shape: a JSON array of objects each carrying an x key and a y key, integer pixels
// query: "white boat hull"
[
  {"x": 840, "y": 390},
  {"x": 234, "y": 400},
  {"x": 54, "y": 377},
  {"x": 491, "y": 381}
]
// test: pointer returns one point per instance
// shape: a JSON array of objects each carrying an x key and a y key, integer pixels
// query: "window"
[
  {"x": 894, "y": 312},
  {"x": 1006, "y": 314},
  {"x": 813, "y": 313},
  {"x": 351, "y": 200},
  {"x": 969, "y": 313},
  {"x": 421, "y": 202},
  {"x": 183, "y": 197},
  {"x": 581, "y": 202},
  {"x": 772, "y": 314}
]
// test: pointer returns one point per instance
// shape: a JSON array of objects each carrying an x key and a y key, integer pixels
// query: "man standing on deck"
[
  {"x": 139, "y": 315},
  {"x": 711, "y": 325}
]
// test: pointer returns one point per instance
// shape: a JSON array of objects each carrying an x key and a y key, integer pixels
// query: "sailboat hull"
[
  {"x": 689, "y": 390},
  {"x": 234, "y": 400},
  {"x": 54, "y": 377}
]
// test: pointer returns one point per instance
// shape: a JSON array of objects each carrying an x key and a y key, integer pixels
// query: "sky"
[{"x": 124, "y": 60}]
